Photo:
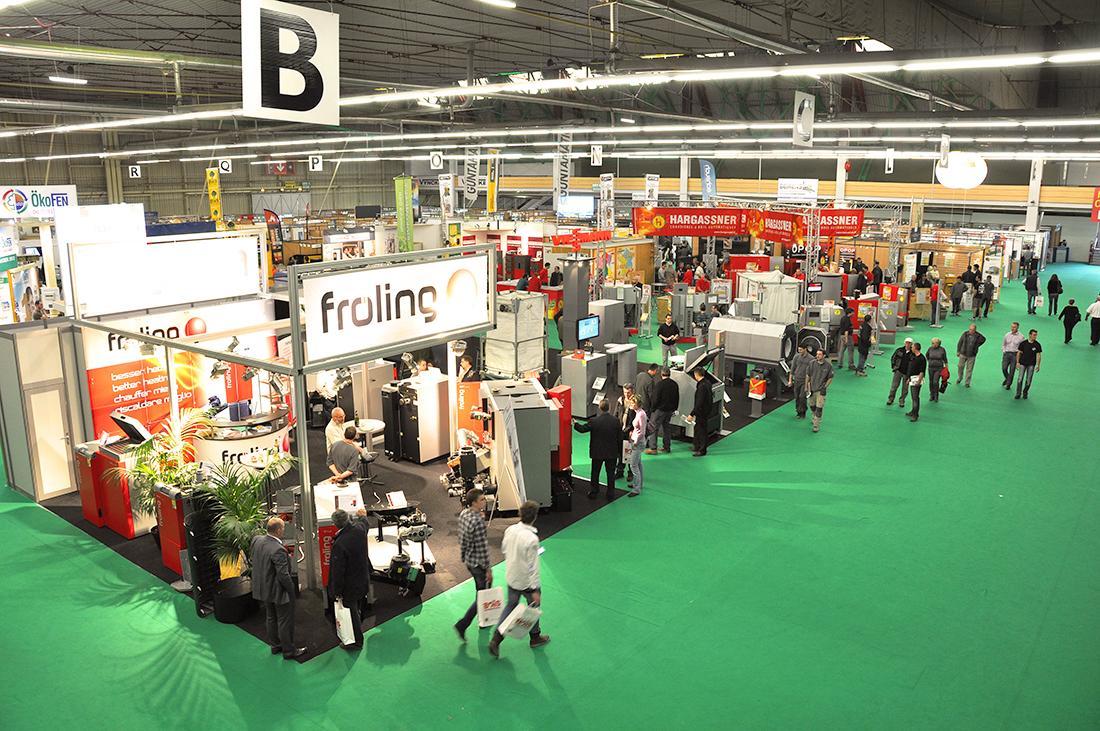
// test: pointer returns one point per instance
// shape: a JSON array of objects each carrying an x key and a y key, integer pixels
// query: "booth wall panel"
[
  {"x": 39, "y": 356},
  {"x": 18, "y": 456}
]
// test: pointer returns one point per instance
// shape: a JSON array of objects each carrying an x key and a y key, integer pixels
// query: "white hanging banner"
[
  {"x": 605, "y": 216},
  {"x": 316, "y": 163},
  {"x": 595, "y": 155},
  {"x": 945, "y": 149},
  {"x": 652, "y": 188},
  {"x": 435, "y": 159},
  {"x": 562, "y": 165},
  {"x": 889, "y": 160},
  {"x": 471, "y": 169},
  {"x": 447, "y": 195},
  {"x": 802, "y": 134}
]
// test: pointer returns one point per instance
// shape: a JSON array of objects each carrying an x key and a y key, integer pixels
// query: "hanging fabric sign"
[
  {"x": 471, "y": 169},
  {"x": 562, "y": 164},
  {"x": 605, "y": 216},
  {"x": 492, "y": 181}
]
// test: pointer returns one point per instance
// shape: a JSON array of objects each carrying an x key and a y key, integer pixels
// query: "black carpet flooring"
[{"x": 314, "y": 627}]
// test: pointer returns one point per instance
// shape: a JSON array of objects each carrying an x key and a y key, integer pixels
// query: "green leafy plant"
[
  {"x": 166, "y": 458},
  {"x": 240, "y": 505}
]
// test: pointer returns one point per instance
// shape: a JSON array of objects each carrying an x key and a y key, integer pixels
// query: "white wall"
[{"x": 1078, "y": 231}]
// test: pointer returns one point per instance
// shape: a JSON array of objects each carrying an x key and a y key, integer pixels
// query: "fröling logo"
[{"x": 384, "y": 306}]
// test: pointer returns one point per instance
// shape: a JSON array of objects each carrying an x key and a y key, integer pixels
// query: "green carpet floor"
[{"x": 880, "y": 574}]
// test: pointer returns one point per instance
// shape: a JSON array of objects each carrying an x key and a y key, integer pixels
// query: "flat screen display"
[
  {"x": 588, "y": 328},
  {"x": 577, "y": 206}
]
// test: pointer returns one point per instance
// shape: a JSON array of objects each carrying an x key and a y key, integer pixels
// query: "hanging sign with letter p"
[{"x": 290, "y": 62}]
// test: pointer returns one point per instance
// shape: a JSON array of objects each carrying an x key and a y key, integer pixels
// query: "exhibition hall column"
[
  {"x": 685, "y": 176},
  {"x": 1034, "y": 188},
  {"x": 841, "y": 178},
  {"x": 112, "y": 169}
]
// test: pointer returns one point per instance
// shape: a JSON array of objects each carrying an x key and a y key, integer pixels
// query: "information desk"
[{"x": 233, "y": 441}]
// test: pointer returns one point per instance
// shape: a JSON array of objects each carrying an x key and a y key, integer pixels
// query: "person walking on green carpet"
[
  {"x": 1028, "y": 360},
  {"x": 1070, "y": 316},
  {"x": 818, "y": 379},
  {"x": 1010, "y": 344},
  {"x": 967, "y": 352}
]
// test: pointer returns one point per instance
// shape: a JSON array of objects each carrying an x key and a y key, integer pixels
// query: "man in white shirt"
[
  {"x": 1010, "y": 345},
  {"x": 521, "y": 572},
  {"x": 1093, "y": 313},
  {"x": 334, "y": 432}
]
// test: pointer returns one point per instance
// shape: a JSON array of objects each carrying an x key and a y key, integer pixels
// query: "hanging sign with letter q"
[
  {"x": 225, "y": 167},
  {"x": 290, "y": 62}
]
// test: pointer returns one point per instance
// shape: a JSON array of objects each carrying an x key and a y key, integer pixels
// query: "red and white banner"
[
  {"x": 580, "y": 237},
  {"x": 689, "y": 221},
  {"x": 1095, "y": 204},
  {"x": 841, "y": 221}
]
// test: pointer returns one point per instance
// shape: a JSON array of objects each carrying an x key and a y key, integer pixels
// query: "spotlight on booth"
[
  {"x": 233, "y": 344},
  {"x": 458, "y": 347},
  {"x": 147, "y": 349},
  {"x": 220, "y": 369},
  {"x": 249, "y": 373}
]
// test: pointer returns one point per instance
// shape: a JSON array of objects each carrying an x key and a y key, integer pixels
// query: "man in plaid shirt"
[{"x": 475, "y": 552}]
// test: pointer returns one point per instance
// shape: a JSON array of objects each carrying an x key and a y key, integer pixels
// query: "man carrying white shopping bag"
[
  {"x": 474, "y": 550},
  {"x": 521, "y": 557}
]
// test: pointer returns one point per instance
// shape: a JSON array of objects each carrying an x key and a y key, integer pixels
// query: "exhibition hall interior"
[{"x": 550, "y": 364}]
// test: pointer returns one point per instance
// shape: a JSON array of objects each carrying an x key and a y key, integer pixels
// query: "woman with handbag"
[
  {"x": 1054, "y": 288},
  {"x": 937, "y": 363}
]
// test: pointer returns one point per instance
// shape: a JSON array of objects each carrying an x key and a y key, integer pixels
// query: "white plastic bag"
[
  {"x": 490, "y": 603},
  {"x": 519, "y": 623},
  {"x": 344, "y": 628}
]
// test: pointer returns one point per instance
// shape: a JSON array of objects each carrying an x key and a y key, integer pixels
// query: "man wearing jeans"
[
  {"x": 666, "y": 400},
  {"x": 899, "y": 363},
  {"x": 1028, "y": 360},
  {"x": 474, "y": 551},
  {"x": 521, "y": 559},
  {"x": 967, "y": 351},
  {"x": 1009, "y": 345},
  {"x": 918, "y": 364},
  {"x": 819, "y": 377}
]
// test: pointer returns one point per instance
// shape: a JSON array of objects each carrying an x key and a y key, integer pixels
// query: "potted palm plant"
[
  {"x": 165, "y": 464},
  {"x": 239, "y": 506}
]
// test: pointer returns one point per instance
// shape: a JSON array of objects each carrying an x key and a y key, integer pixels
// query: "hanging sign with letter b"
[{"x": 290, "y": 62}]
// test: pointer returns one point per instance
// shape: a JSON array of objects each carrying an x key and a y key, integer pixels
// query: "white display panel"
[
  {"x": 116, "y": 278},
  {"x": 384, "y": 308}
]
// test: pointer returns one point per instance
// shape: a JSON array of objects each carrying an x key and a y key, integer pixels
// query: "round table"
[{"x": 371, "y": 427}]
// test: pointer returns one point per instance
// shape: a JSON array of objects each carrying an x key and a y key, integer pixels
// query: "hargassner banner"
[
  {"x": 471, "y": 170},
  {"x": 562, "y": 166},
  {"x": 382, "y": 310},
  {"x": 35, "y": 201}
]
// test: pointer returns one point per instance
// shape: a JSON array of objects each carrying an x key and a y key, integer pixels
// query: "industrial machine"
[
  {"x": 586, "y": 375},
  {"x": 517, "y": 345},
  {"x": 622, "y": 366},
  {"x": 105, "y": 496},
  {"x": 749, "y": 343},
  {"x": 685, "y": 305},
  {"x": 819, "y": 326},
  {"x": 519, "y": 455},
  {"x": 612, "y": 314},
  {"x": 629, "y": 295},
  {"x": 576, "y": 272},
  {"x": 417, "y": 416},
  {"x": 708, "y": 359}
]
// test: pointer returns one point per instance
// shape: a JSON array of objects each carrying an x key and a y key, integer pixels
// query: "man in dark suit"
[
  {"x": 273, "y": 586},
  {"x": 349, "y": 572},
  {"x": 700, "y": 414},
  {"x": 604, "y": 447},
  {"x": 466, "y": 372}
]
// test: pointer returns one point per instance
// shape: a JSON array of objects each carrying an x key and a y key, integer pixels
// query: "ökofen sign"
[{"x": 384, "y": 308}]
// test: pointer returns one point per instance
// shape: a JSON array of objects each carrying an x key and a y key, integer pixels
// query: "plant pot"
[{"x": 233, "y": 602}]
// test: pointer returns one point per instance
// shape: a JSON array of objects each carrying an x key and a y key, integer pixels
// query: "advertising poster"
[
  {"x": 9, "y": 246},
  {"x": 689, "y": 221},
  {"x": 562, "y": 168},
  {"x": 25, "y": 296},
  {"x": 121, "y": 378},
  {"x": 652, "y": 188},
  {"x": 447, "y": 196},
  {"x": 841, "y": 221},
  {"x": 470, "y": 171}
]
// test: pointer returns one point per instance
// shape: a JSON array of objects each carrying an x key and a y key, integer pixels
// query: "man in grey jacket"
[
  {"x": 800, "y": 366},
  {"x": 937, "y": 359},
  {"x": 644, "y": 386},
  {"x": 273, "y": 587},
  {"x": 967, "y": 351}
]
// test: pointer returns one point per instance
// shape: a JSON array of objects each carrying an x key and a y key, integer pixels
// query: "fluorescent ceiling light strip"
[
  {"x": 974, "y": 62},
  {"x": 1075, "y": 57}
]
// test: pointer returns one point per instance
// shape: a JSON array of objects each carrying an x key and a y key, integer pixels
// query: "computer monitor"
[{"x": 588, "y": 328}]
